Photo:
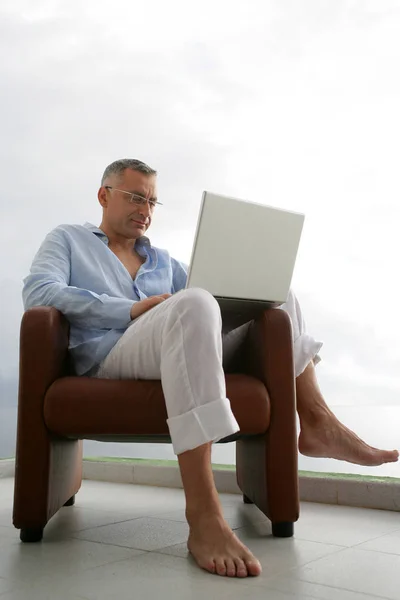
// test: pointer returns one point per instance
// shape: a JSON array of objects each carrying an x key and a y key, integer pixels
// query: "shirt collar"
[{"x": 142, "y": 241}]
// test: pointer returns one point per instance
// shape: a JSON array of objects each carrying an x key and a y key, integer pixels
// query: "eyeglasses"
[{"x": 135, "y": 198}]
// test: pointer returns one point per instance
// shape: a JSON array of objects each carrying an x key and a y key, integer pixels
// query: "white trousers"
[{"x": 179, "y": 341}]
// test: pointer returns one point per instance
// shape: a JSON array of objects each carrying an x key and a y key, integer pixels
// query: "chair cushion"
[{"x": 85, "y": 407}]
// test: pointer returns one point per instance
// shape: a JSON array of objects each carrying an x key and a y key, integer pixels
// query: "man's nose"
[{"x": 145, "y": 210}]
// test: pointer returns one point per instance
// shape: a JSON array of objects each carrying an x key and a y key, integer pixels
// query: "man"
[{"x": 131, "y": 317}]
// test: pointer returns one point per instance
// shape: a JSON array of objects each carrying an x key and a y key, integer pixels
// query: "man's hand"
[{"x": 144, "y": 305}]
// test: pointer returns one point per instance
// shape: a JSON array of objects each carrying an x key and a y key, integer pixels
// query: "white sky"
[{"x": 291, "y": 103}]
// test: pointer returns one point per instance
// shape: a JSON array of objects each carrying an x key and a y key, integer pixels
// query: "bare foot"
[
  {"x": 216, "y": 548},
  {"x": 331, "y": 439}
]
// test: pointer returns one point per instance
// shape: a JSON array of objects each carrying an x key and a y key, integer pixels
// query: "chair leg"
[
  {"x": 31, "y": 534},
  {"x": 71, "y": 501},
  {"x": 284, "y": 529},
  {"x": 247, "y": 500},
  {"x": 57, "y": 473},
  {"x": 273, "y": 490}
]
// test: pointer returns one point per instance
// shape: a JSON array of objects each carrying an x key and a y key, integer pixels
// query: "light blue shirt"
[{"x": 76, "y": 272}]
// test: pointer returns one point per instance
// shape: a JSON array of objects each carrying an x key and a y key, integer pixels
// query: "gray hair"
[{"x": 119, "y": 166}]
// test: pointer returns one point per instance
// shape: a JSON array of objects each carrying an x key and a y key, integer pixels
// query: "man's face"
[{"x": 120, "y": 214}]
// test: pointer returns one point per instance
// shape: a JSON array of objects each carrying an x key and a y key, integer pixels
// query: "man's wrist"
[{"x": 131, "y": 311}]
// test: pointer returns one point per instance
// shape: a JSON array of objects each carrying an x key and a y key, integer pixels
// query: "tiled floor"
[{"x": 124, "y": 542}]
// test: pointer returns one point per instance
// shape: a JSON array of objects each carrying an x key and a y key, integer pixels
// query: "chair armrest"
[
  {"x": 268, "y": 351},
  {"x": 268, "y": 355},
  {"x": 43, "y": 354},
  {"x": 42, "y": 357},
  {"x": 43, "y": 349}
]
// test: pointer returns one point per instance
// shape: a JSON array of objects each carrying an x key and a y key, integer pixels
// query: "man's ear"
[{"x": 102, "y": 196}]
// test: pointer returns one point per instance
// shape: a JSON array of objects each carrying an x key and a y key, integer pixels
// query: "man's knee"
[{"x": 198, "y": 304}]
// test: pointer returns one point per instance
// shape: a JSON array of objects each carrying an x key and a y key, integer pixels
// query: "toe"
[
  {"x": 379, "y": 457},
  {"x": 208, "y": 566},
  {"x": 230, "y": 567},
  {"x": 241, "y": 570},
  {"x": 253, "y": 566},
  {"x": 220, "y": 566}
]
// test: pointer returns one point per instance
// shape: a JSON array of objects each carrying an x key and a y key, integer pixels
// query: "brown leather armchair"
[{"x": 56, "y": 410}]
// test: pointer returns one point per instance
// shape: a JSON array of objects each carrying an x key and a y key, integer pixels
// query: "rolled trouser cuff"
[
  {"x": 306, "y": 349},
  {"x": 209, "y": 422}
]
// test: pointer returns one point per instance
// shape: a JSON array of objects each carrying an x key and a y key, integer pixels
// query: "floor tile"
[
  {"x": 97, "y": 550},
  {"x": 29, "y": 562},
  {"x": 389, "y": 543},
  {"x": 6, "y": 517},
  {"x": 278, "y": 555},
  {"x": 178, "y": 550},
  {"x": 252, "y": 592},
  {"x": 8, "y": 535},
  {"x": 7, "y": 492},
  {"x": 285, "y": 583},
  {"x": 7, "y": 585},
  {"x": 144, "y": 533},
  {"x": 343, "y": 525},
  {"x": 356, "y": 570},
  {"x": 231, "y": 500},
  {"x": 48, "y": 593},
  {"x": 152, "y": 576},
  {"x": 237, "y": 515},
  {"x": 275, "y": 555},
  {"x": 70, "y": 520},
  {"x": 136, "y": 500}
]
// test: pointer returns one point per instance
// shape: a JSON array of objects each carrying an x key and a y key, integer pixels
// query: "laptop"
[{"x": 244, "y": 255}]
